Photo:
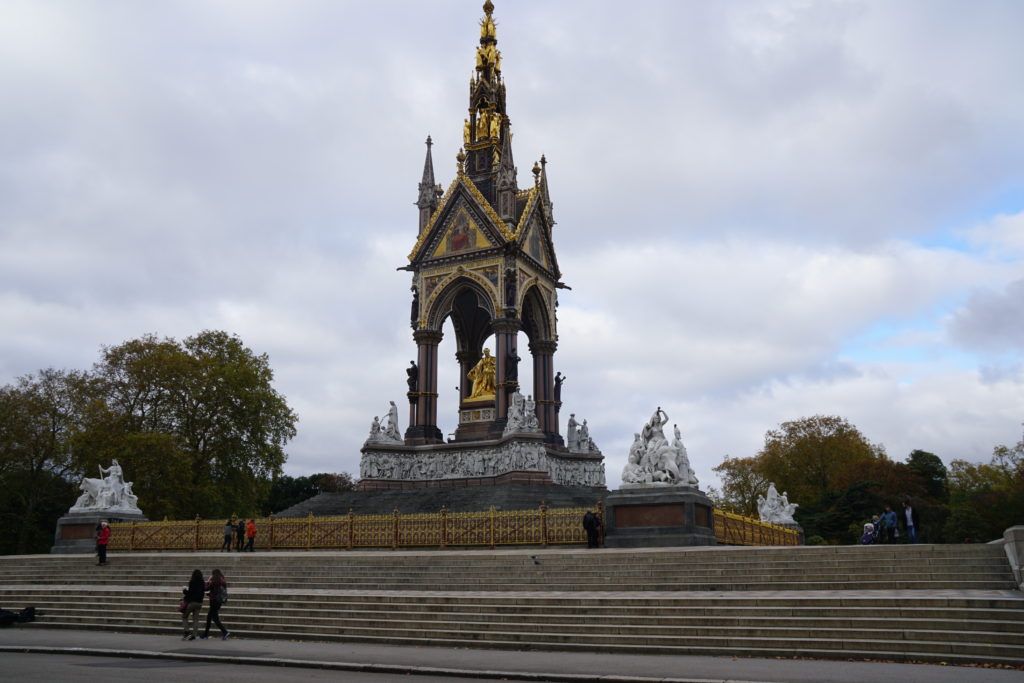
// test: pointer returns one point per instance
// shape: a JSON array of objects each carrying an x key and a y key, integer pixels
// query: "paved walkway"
[{"x": 526, "y": 665}]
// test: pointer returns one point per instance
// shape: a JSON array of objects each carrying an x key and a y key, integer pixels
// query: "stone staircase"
[
  {"x": 927, "y": 603},
  {"x": 456, "y": 499}
]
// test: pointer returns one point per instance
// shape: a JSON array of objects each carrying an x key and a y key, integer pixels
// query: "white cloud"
[{"x": 742, "y": 192}]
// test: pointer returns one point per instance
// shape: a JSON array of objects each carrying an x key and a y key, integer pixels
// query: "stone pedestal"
[
  {"x": 654, "y": 516},
  {"x": 76, "y": 532},
  {"x": 797, "y": 528}
]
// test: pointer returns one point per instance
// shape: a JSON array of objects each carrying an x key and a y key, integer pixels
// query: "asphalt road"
[
  {"x": 25, "y": 668},
  {"x": 30, "y": 653}
]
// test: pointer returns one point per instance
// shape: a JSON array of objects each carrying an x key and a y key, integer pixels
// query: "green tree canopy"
[
  {"x": 742, "y": 483},
  {"x": 196, "y": 424},
  {"x": 38, "y": 417},
  {"x": 987, "y": 498},
  {"x": 287, "y": 491},
  {"x": 814, "y": 456},
  {"x": 933, "y": 474}
]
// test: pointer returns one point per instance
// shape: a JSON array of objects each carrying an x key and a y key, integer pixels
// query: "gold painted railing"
[
  {"x": 542, "y": 526},
  {"x": 733, "y": 529},
  {"x": 491, "y": 528}
]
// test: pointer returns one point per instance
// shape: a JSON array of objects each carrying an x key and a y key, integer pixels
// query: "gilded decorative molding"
[
  {"x": 525, "y": 218},
  {"x": 433, "y": 218},
  {"x": 481, "y": 201},
  {"x": 461, "y": 271},
  {"x": 489, "y": 210}
]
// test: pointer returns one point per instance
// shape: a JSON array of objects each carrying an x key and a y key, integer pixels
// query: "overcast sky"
[{"x": 765, "y": 210}]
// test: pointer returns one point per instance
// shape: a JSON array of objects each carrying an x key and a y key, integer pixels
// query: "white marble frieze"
[{"x": 483, "y": 461}]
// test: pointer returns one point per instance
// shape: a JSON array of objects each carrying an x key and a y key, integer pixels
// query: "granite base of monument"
[
  {"x": 76, "y": 532},
  {"x": 801, "y": 540},
  {"x": 656, "y": 516}
]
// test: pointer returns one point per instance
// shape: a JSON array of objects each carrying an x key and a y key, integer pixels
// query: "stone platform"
[
  {"x": 76, "y": 531},
  {"x": 473, "y": 497},
  {"x": 652, "y": 516}
]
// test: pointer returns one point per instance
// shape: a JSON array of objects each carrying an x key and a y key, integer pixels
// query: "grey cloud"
[
  {"x": 251, "y": 166},
  {"x": 991, "y": 320}
]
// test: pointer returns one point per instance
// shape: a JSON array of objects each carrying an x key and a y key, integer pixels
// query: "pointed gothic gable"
[
  {"x": 460, "y": 235},
  {"x": 463, "y": 222},
  {"x": 533, "y": 236}
]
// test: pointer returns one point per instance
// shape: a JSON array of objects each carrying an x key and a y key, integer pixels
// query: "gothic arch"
[
  {"x": 538, "y": 321},
  {"x": 452, "y": 300}
]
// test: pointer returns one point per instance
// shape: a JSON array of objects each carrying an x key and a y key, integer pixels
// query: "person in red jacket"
[
  {"x": 102, "y": 539},
  {"x": 250, "y": 535}
]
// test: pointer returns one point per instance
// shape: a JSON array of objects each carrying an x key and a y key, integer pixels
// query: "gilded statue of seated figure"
[{"x": 483, "y": 375}]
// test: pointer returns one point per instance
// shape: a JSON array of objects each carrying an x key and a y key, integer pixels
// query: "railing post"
[
  {"x": 491, "y": 520},
  {"x": 394, "y": 541},
  {"x": 195, "y": 538},
  {"x": 351, "y": 529},
  {"x": 444, "y": 527},
  {"x": 273, "y": 518},
  {"x": 131, "y": 539},
  {"x": 600, "y": 519},
  {"x": 543, "y": 525},
  {"x": 309, "y": 530}
]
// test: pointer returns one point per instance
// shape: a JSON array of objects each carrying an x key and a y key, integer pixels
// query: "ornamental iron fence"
[{"x": 444, "y": 529}]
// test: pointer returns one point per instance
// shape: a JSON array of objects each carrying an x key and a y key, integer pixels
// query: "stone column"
[
  {"x": 425, "y": 429},
  {"x": 467, "y": 361},
  {"x": 544, "y": 387},
  {"x": 505, "y": 331}
]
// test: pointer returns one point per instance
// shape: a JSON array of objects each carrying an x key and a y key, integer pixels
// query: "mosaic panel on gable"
[{"x": 461, "y": 235}]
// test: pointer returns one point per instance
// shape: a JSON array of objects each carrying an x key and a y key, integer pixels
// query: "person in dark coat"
[
  {"x": 102, "y": 539},
  {"x": 217, "y": 587},
  {"x": 193, "y": 603},
  {"x": 229, "y": 532},
  {"x": 910, "y": 521},
  {"x": 592, "y": 525},
  {"x": 240, "y": 535}
]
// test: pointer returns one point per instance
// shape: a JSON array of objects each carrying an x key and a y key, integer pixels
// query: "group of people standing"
[
  {"x": 243, "y": 533},
  {"x": 885, "y": 528},
  {"x": 192, "y": 603}
]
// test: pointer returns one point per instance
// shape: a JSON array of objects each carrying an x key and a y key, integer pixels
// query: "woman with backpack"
[{"x": 217, "y": 587}]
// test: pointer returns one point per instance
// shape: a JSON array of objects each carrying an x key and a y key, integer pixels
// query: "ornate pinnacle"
[{"x": 488, "y": 7}]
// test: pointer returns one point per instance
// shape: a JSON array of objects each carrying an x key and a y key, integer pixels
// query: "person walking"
[
  {"x": 889, "y": 525},
  {"x": 102, "y": 539},
  {"x": 911, "y": 521},
  {"x": 193, "y": 603},
  {"x": 229, "y": 532},
  {"x": 217, "y": 587},
  {"x": 250, "y": 535},
  {"x": 240, "y": 535},
  {"x": 592, "y": 525}
]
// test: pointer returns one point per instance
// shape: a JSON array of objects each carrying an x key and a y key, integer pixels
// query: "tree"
[
  {"x": 287, "y": 491},
  {"x": 196, "y": 424},
  {"x": 38, "y": 417},
  {"x": 814, "y": 456},
  {"x": 985, "y": 499},
  {"x": 742, "y": 483},
  {"x": 932, "y": 472}
]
